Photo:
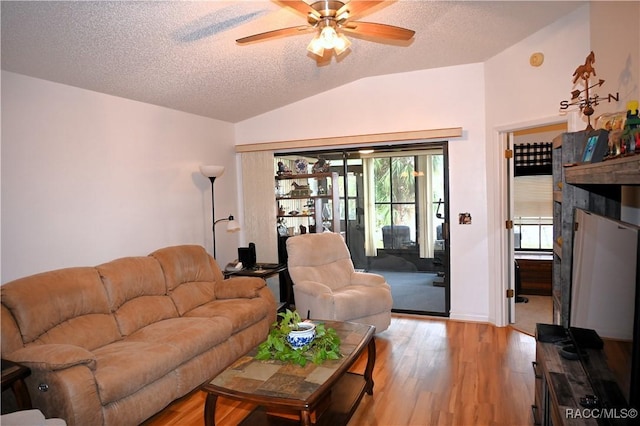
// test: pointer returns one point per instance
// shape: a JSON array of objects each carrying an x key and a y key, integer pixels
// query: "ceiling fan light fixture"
[
  {"x": 328, "y": 36},
  {"x": 341, "y": 44},
  {"x": 329, "y": 18},
  {"x": 315, "y": 46}
]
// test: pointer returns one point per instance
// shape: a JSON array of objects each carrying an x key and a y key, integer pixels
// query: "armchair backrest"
[{"x": 322, "y": 258}]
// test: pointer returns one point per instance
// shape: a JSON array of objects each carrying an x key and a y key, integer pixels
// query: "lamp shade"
[
  {"x": 233, "y": 226},
  {"x": 211, "y": 171}
]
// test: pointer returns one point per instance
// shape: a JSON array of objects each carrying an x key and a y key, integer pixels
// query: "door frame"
[{"x": 504, "y": 271}]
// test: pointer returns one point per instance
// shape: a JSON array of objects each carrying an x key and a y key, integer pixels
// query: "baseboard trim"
[{"x": 470, "y": 318}]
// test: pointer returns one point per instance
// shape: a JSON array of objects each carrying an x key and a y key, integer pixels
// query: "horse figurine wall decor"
[{"x": 585, "y": 70}]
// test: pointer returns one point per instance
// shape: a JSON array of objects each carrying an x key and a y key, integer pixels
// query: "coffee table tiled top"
[{"x": 307, "y": 390}]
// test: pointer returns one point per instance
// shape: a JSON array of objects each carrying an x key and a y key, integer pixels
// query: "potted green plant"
[{"x": 283, "y": 345}]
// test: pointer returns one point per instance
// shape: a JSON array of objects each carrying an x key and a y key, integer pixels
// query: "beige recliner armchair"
[{"x": 326, "y": 286}]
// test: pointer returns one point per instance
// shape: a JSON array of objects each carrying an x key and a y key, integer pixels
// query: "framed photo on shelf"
[{"x": 597, "y": 146}]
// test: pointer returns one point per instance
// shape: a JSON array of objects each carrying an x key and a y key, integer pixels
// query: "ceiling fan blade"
[
  {"x": 301, "y": 7},
  {"x": 275, "y": 33},
  {"x": 357, "y": 7},
  {"x": 378, "y": 30}
]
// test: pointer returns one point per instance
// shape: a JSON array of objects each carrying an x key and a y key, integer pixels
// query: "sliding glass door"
[{"x": 393, "y": 211}]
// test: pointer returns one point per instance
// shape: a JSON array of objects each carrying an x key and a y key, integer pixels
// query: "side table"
[
  {"x": 264, "y": 271},
  {"x": 13, "y": 376},
  {"x": 261, "y": 271}
]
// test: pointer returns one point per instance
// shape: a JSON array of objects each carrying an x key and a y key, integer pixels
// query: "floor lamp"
[
  {"x": 232, "y": 226},
  {"x": 212, "y": 172}
]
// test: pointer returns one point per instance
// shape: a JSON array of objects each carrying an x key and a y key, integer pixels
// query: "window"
[
  {"x": 395, "y": 201},
  {"x": 402, "y": 195},
  {"x": 533, "y": 196},
  {"x": 533, "y": 216}
]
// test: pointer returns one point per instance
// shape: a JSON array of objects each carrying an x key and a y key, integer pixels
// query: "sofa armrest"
[
  {"x": 239, "y": 288},
  {"x": 53, "y": 357},
  {"x": 312, "y": 288},
  {"x": 367, "y": 279}
]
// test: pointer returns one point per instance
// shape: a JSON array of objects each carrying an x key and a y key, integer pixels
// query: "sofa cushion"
[
  {"x": 183, "y": 264},
  {"x": 145, "y": 356},
  {"x": 136, "y": 290},
  {"x": 143, "y": 311},
  {"x": 239, "y": 313},
  {"x": 127, "y": 366},
  {"x": 191, "y": 295},
  {"x": 72, "y": 308},
  {"x": 191, "y": 336},
  {"x": 189, "y": 275}
]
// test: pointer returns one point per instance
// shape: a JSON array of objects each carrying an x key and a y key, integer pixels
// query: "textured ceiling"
[{"x": 183, "y": 55}]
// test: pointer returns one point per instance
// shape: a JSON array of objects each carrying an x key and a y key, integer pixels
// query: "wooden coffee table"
[{"x": 325, "y": 394}]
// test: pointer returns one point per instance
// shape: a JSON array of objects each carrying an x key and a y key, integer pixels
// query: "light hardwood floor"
[{"x": 428, "y": 372}]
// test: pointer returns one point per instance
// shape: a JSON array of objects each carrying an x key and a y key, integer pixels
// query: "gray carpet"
[{"x": 414, "y": 291}]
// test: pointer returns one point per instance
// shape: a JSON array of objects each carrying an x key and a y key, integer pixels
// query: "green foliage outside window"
[{"x": 394, "y": 186}]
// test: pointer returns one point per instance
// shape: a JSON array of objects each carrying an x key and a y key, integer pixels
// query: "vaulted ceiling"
[{"x": 183, "y": 55}]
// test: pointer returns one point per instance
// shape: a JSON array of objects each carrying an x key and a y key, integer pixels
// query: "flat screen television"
[{"x": 605, "y": 295}]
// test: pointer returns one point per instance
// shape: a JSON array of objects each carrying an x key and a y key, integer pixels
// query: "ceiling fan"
[{"x": 330, "y": 18}]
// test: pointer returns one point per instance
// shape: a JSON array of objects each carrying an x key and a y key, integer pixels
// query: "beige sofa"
[{"x": 116, "y": 343}]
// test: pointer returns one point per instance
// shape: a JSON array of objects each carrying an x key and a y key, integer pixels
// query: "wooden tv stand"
[{"x": 561, "y": 383}]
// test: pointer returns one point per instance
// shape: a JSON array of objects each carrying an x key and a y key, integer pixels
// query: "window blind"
[{"x": 533, "y": 196}]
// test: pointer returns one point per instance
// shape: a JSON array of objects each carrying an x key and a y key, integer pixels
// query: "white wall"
[
  {"x": 517, "y": 91},
  {"x": 615, "y": 40},
  {"x": 439, "y": 98},
  {"x": 87, "y": 178},
  {"x": 520, "y": 96}
]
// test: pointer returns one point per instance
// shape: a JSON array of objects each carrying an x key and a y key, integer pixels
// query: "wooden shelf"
[
  {"x": 344, "y": 399},
  {"x": 304, "y": 176},
  {"x": 618, "y": 171},
  {"x": 306, "y": 197},
  {"x": 318, "y": 204}
]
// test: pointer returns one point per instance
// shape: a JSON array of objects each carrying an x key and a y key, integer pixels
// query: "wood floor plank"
[{"x": 429, "y": 371}]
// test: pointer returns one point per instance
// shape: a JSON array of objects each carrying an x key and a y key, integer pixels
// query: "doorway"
[
  {"x": 393, "y": 216},
  {"x": 530, "y": 209}
]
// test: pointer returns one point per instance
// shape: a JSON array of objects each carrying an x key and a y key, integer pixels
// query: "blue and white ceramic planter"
[{"x": 303, "y": 336}]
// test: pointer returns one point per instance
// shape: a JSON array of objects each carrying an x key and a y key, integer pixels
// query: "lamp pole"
[
  {"x": 212, "y": 172},
  {"x": 213, "y": 216}
]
